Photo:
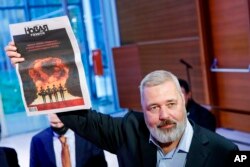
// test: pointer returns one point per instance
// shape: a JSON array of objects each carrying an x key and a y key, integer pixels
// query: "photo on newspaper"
[{"x": 52, "y": 77}]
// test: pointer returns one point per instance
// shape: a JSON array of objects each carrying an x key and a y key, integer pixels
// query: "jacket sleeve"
[
  {"x": 102, "y": 130},
  {"x": 97, "y": 158}
]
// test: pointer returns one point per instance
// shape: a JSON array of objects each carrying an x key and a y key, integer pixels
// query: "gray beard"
[{"x": 167, "y": 136}]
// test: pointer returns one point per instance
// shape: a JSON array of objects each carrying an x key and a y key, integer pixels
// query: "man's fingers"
[
  {"x": 11, "y": 43},
  {"x": 16, "y": 60},
  {"x": 12, "y": 54},
  {"x": 10, "y": 48}
]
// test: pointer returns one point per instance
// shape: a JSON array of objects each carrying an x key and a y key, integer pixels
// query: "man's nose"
[{"x": 164, "y": 113}]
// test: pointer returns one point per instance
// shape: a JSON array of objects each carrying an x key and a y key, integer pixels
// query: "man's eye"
[
  {"x": 154, "y": 108},
  {"x": 171, "y": 105}
]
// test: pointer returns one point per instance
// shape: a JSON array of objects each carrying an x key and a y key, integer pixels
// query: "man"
[
  {"x": 46, "y": 148},
  {"x": 8, "y": 157},
  {"x": 160, "y": 136},
  {"x": 195, "y": 111}
]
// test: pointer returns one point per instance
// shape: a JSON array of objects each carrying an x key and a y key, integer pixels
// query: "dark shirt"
[{"x": 201, "y": 115}]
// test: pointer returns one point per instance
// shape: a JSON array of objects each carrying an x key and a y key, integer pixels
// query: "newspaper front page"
[{"x": 52, "y": 77}]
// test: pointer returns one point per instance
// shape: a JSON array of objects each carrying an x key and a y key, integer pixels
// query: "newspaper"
[{"x": 52, "y": 77}]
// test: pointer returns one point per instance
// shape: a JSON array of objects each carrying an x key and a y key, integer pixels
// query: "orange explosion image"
[{"x": 48, "y": 73}]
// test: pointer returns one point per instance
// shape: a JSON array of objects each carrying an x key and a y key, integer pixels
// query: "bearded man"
[{"x": 159, "y": 136}]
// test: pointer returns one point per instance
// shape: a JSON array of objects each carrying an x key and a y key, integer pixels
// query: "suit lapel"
[
  {"x": 49, "y": 148},
  {"x": 79, "y": 150},
  {"x": 148, "y": 150},
  {"x": 148, "y": 154},
  {"x": 199, "y": 151}
]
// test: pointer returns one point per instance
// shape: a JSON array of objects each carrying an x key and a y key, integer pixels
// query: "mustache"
[{"x": 166, "y": 122}]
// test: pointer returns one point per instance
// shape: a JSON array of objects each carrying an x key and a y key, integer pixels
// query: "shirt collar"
[{"x": 186, "y": 138}]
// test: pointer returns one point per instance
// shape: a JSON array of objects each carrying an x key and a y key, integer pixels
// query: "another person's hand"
[{"x": 11, "y": 52}]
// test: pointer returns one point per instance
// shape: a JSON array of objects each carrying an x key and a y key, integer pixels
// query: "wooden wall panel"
[
  {"x": 234, "y": 121},
  {"x": 228, "y": 36},
  {"x": 230, "y": 43},
  {"x": 163, "y": 32},
  {"x": 230, "y": 32},
  {"x": 128, "y": 76},
  {"x": 148, "y": 20},
  {"x": 233, "y": 91}
]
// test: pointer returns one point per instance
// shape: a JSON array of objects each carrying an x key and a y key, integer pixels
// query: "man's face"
[
  {"x": 164, "y": 112},
  {"x": 55, "y": 121}
]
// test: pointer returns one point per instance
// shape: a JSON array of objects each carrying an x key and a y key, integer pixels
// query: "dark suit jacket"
[
  {"x": 42, "y": 152},
  {"x": 8, "y": 157},
  {"x": 128, "y": 137},
  {"x": 201, "y": 115}
]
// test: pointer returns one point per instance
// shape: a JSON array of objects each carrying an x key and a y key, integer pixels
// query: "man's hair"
[
  {"x": 184, "y": 84},
  {"x": 158, "y": 77}
]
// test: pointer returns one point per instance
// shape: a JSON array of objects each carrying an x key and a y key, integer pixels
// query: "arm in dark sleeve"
[
  {"x": 97, "y": 158},
  {"x": 102, "y": 130}
]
